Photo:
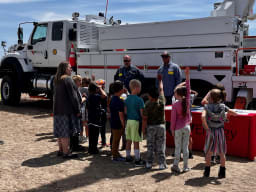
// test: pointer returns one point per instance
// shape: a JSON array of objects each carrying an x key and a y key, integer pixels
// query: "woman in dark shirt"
[{"x": 66, "y": 109}]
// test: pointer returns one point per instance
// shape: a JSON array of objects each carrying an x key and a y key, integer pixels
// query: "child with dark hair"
[
  {"x": 180, "y": 124},
  {"x": 154, "y": 124},
  {"x": 213, "y": 118},
  {"x": 117, "y": 120},
  {"x": 96, "y": 93},
  {"x": 110, "y": 94},
  {"x": 104, "y": 103}
]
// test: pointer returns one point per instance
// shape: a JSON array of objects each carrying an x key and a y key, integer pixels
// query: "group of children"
[{"x": 136, "y": 119}]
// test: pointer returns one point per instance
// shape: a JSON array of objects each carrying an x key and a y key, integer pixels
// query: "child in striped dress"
[{"x": 213, "y": 119}]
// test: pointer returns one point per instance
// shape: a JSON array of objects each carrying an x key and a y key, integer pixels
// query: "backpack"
[{"x": 216, "y": 115}]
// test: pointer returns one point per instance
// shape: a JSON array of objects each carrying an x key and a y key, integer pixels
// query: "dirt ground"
[{"x": 28, "y": 162}]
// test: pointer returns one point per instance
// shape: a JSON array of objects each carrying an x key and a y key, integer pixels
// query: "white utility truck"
[{"x": 216, "y": 48}]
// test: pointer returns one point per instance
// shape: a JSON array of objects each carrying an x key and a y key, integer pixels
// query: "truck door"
[
  {"x": 57, "y": 43},
  {"x": 37, "y": 46}
]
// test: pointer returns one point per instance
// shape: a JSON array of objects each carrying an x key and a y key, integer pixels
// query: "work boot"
[
  {"x": 207, "y": 171},
  {"x": 222, "y": 172}
]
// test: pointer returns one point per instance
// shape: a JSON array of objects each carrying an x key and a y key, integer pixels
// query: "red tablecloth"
[{"x": 240, "y": 134}]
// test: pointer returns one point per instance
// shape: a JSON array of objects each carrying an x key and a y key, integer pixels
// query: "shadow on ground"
[
  {"x": 100, "y": 168},
  {"x": 49, "y": 159},
  {"x": 46, "y": 136},
  {"x": 162, "y": 176},
  {"x": 202, "y": 181}
]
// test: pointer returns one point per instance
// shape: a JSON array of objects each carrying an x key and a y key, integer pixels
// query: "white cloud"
[
  {"x": 167, "y": 8},
  {"x": 50, "y": 16},
  {"x": 17, "y": 1},
  {"x": 45, "y": 16}
]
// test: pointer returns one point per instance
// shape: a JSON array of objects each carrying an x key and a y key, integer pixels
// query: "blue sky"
[{"x": 12, "y": 12}]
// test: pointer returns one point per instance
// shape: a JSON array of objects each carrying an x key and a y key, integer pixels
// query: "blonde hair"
[
  {"x": 77, "y": 78},
  {"x": 134, "y": 83}
]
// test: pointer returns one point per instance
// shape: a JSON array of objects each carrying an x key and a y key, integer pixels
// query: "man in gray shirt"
[{"x": 171, "y": 76}]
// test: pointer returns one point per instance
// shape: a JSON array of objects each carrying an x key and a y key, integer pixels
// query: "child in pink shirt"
[{"x": 180, "y": 123}]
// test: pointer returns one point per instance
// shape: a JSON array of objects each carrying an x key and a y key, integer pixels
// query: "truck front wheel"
[{"x": 10, "y": 91}]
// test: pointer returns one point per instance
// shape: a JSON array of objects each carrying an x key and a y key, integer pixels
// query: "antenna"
[{"x": 106, "y": 10}]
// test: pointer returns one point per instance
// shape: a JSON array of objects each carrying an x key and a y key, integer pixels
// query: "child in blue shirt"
[
  {"x": 117, "y": 120},
  {"x": 134, "y": 106}
]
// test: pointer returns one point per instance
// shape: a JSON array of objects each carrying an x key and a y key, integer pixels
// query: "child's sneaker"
[
  {"x": 175, "y": 169},
  {"x": 186, "y": 169},
  {"x": 129, "y": 159},
  {"x": 148, "y": 165},
  {"x": 162, "y": 166},
  {"x": 140, "y": 163}
]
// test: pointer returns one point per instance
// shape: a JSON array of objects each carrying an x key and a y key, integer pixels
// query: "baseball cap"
[{"x": 165, "y": 53}]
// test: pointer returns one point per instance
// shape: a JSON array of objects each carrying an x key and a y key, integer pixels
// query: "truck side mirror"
[{"x": 20, "y": 35}]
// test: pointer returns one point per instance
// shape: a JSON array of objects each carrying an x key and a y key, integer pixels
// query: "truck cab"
[
  {"x": 30, "y": 68},
  {"x": 49, "y": 44}
]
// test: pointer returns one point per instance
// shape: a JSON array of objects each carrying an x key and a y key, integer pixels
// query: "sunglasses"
[
  {"x": 165, "y": 56},
  {"x": 127, "y": 60}
]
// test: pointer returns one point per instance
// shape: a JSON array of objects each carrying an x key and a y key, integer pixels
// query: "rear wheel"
[{"x": 10, "y": 91}]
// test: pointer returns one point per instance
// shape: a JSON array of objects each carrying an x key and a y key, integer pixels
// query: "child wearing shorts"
[{"x": 134, "y": 106}]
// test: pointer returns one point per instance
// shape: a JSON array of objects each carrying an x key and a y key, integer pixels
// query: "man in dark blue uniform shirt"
[{"x": 128, "y": 72}]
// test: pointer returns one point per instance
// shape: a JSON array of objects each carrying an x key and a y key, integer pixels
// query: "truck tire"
[{"x": 10, "y": 91}]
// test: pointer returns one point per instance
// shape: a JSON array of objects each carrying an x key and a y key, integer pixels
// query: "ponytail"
[{"x": 182, "y": 91}]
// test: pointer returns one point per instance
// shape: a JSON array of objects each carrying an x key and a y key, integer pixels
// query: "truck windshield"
[{"x": 39, "y": 34}]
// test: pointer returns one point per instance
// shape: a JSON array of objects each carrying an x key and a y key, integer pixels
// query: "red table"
[{"x": 240, "y": 134}]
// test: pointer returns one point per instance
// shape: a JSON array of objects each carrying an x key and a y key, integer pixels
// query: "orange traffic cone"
[
  {"x": 240, "y": 103},
  {"x": 72, "y": 57}
]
